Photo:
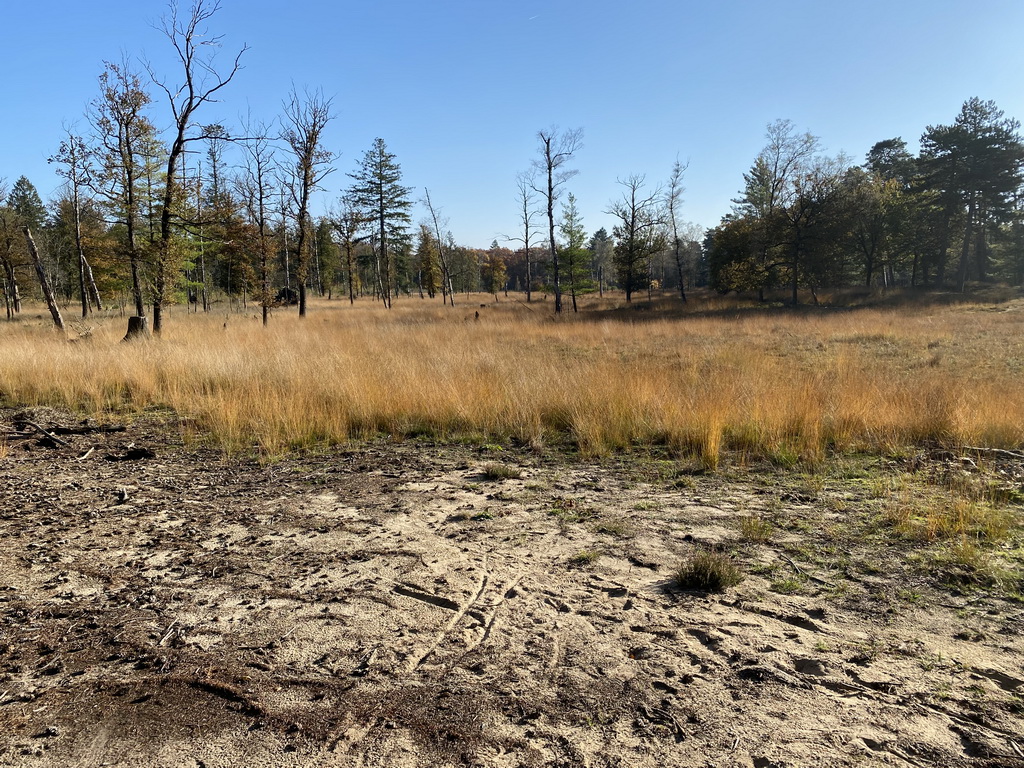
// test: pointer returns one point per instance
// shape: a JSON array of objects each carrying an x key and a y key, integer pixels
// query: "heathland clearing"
[
  {"x": 716, "y": 378},
  {"x": 472, "y": 562}
]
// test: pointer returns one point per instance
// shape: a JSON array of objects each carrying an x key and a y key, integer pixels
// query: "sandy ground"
[{"x": 389, "y": 605}]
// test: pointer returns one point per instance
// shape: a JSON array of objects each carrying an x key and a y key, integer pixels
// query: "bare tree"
[
  {"x": 305, "y": 120},
  {"x": 525, "y": 199},
  {"x": 556, "y": 149},
  {"x": 347, "y": 223},
  {"x": 51, "y": 302},
  {"x": 638, "y": 235},
  {"x": 200, "y": 84},
  {"x": 447, "y": 285},
  {"x": 673, "y": 204},
  {"x": 255, "y": 191},
  {"x": 76, "y": 166}
]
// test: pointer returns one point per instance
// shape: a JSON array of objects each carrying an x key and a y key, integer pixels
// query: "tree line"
[
  {"x": 201, "y": 212},
  {"x": 147, "y": 218},
  {"x": 949, "y": 215}
]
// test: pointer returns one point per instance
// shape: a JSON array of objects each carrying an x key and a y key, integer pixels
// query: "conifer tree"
[{"x": 385, "y": 204}]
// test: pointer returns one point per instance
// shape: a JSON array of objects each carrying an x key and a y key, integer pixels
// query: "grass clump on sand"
[{"x": 707, "y": 571}]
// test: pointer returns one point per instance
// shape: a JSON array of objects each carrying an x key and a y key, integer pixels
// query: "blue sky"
[{"x": 459, "y": 88}]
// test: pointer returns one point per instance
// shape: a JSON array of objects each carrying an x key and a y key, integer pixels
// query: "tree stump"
[{"x": 137, "y": 326}]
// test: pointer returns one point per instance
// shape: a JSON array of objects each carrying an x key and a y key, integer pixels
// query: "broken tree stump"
[{"x": 137, "y": 326}]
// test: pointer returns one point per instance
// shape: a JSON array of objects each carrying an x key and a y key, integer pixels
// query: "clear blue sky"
[{"x": 459, "y": 88}]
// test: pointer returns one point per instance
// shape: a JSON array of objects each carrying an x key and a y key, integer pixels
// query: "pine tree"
[
  {"x": 575, "y": 261},
  {"x": 428, "y": 262},
  {"x": 385, "y": 204},
  {"x": 494, "y": 272}
]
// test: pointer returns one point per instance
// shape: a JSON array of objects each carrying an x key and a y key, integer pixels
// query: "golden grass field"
[{"x": 715, "y": 376}]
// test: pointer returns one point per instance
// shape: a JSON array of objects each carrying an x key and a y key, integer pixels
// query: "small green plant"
[
  {"x": 619, "y": 528},
  {"x": 708, "y": 571},
  {"x": 755, "y": 529},
  {"x": 570, "y": 510},
  {"x": 787, "y": 586},
  {"x": 584, "y": 558},
  {"x": 494, "y": 471},
  {"x": 647, "y": 506},
  {"x": 910, "y": 596}
]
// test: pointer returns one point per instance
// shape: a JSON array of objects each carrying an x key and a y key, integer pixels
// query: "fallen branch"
[
  {"x": 993, "y": 452},
  {"x": 53, "y": 437},
  {"x": 806, "y": 575}
]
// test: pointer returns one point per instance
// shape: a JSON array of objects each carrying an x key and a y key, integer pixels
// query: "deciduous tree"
[
  {"x": 200, "y": 84},
  {"x": 556, "y": 150},
  {"x": 638, "y": 235},
  {"x": 306, "y": 118}
]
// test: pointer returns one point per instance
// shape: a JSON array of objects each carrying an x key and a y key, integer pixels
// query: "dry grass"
[
  {"x": 756, "y": 530},
  {"x": 948, "y": 516},
  {"x": 791, "y": 386}
]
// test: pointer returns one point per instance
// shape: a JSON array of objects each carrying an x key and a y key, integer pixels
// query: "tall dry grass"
[{"x": 790, "y": 386}]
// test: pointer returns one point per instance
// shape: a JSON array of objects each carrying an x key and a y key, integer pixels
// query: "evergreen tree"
[
  {"x": 385, "y": 204},
  {"x": 978, "y": 162},
  {"x": 575, "y": 261},
  {"x": 24, "y": 200},
  {"x": 428, "y": 261},
  {"x": 602, "y": 249}
]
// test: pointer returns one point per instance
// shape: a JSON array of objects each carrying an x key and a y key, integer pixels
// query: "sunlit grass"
[{"x": 711, "y": 379}]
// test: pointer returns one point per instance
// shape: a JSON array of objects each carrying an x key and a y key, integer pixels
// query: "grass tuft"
[
  {"x": 495, "y": 472},
  {"x": 707, "y": 571},
  {"x": 585, "y": 558},
  {"x": 756, "y": 530}
]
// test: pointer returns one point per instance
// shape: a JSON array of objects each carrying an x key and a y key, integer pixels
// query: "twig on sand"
[{"x": 806, "y": 575}]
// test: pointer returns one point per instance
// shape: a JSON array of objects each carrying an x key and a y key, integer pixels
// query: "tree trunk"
[
  {"x": 554, "y": 247},
  {"x": 90, "y": 282},
  {"x": 43, "y": 282},
  {"x": 965, "y": 250},
  {"x": 12, "y": 283}
]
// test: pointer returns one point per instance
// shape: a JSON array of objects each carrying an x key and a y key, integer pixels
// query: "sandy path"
[{"x": 389, "y": 605}]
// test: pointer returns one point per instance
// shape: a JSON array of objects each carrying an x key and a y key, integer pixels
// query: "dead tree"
[
  {"x": 305, "y": 121},
  {"x": 254, "y": 186},
  {"x": 524, "y": 200},
  {"x": 447, "y": 285},
  {"x": 347, "y": 224},
  {"x": 43, "y": 282},
  {"x": 76, "y": 167},
  {"x": 200, "y": 84},
  {"x": 556, "y": 149}
]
